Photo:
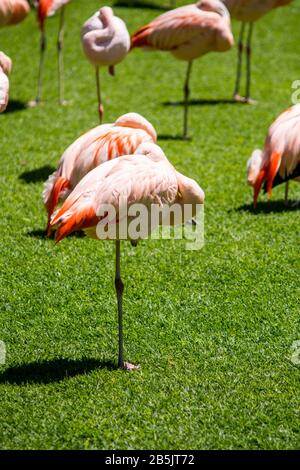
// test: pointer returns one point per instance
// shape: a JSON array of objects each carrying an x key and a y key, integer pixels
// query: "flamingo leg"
[
  {"x": 100, "y": 105},
  {"x": 60, "y": 45},
  {"x": 236, "y": 95},
  {"x": 249, "y": 56},
  {"x": 119, "y": 290},
  {"x": 186, "y": 90},
  {"x": 286, "y": 195},
  {"x": 43, "y": 45}
]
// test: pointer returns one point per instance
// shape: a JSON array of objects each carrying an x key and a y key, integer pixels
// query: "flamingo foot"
[
  {"x": 34, "y": 103},
  {"x": 250, "y": 101},
  {"x": 128, "y": 366}
]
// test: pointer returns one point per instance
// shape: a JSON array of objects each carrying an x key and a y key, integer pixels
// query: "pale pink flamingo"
[
  {"x": 13, "y": 11},
  {"x": 144, "y": 178},
  {"x": 188, "y": 32},
  {"x": 95, "y": 147},
  {"x": 47, "y": 8},
  {"x": 106, "y": 42},
  {"x": 5, "y": 69},
  {"x": 279, "y": 162},
  {"x": 248, "y": 11}
]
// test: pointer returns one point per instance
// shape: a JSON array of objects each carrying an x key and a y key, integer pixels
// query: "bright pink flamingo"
[
  {"x": 47, "y": 8},
  {"x": 98, "y": 145},
  {"x": 146, "y": 177},
  {"x": 106, "y": 42},
  {"x": 279, "y": 162},
  {"x": 5, "y": 69},
  {"x": 188, "y": 32},
  {"x": 248, "y": 11},
  {"x": 13, "y": 11}
]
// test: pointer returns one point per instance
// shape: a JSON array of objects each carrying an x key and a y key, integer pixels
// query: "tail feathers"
[
  {"x": 54, "y": 189},
  {"x": 140, "y": 37},
  {"x": 72, "y": 221}
]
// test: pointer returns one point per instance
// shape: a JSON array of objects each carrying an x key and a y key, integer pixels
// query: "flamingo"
[
  {"x": 98, "y": 145},
  {"x": 13, "y": 11},
  {"x": 248, "y": 11},
  {"x": 146, "y": 177},
  {"x": 188, "y": 32},
  {"x": 5, "y": 69},
  {"x": 47, "y": 8},
  {"x": 106, "y": 42},
  {"x": 279, "y": 162}
]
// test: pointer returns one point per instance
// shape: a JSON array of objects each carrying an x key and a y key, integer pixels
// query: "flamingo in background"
[
  {"x": 47, "y": 8},
  {"x": 147, "y": 178},
  {"x": 188, "y": 32},
  {"x": 5, "y": 69},
  {"x": 106, "y": 42},
  {"x": 13, "y": 11},
  {"x": 248, "y": 11},
  {"x": 98, "y": 145},
  {"x": 279, "y": 162}
]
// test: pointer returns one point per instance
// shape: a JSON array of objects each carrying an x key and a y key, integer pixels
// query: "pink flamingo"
[
  {"x": 47, "y": 8},
  {"x": 248, "y": 11},
  {"x": 106, "y": 42},
  {"x": 279, "y": 162},
  {"x": 5, "y": 69},
  {"x": 188, "y": 32},
  {"x": 146, "y": 177},
  {"x": 13, "y": 11},
  {"x": 98, "y": 145}
]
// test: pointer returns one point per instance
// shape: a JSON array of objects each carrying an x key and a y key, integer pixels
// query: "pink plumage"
[
  {"x": 281, "y": 154},
  {"x": 95, "y": 147},
  {"x": 188, "y": 32},
  {"x": 13, "y": 11},
  {"x": 5, "y": 69}
]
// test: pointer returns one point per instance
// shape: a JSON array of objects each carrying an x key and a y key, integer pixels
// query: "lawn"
[{"x": 213, "y": 329}]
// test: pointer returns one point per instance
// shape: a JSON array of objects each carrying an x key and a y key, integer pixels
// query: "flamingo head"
[
  {"x": 214, "y": 6},
  {"x": 152, "y": 151},
  {"x": 106, "y": 14},
  {"x": 136, "y": 121},
  {"x": 254, "y": 166}
]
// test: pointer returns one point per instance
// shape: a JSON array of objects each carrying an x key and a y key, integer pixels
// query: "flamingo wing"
[
  {"x": 129, "y": 179},
  {"x": 175, "y": 28}
]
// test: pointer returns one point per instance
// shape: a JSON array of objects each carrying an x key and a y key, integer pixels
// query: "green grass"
[{"x": 212, "y": 330}]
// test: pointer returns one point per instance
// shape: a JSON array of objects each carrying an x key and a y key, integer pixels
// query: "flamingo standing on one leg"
[
  {"x": 105, "y": 42},
  {"x": 5, "y": 69},
  {"x": 145, "y": 178},
  {"x": 98, "y": 145},
  {"x": 279, "y": 162},
  {"x": 47, "y": 8},
  {"x": 188, "y": 32},
  {"x": 248, "y": 11},
  {"x": 13, "y": 11}
]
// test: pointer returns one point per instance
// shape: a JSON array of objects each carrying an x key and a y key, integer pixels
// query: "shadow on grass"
[
  {"x": 141, "y": 4},
  {"x": 212, "y": 102},
  {"x": 56, "y": 370},
  {"x": 269, "y": 207},
  {"x": 15, "y": 105},
  {"x": 41, "y": 234},
  {"x": 37, "y": 175},
  {"x": 174, "y": 137}
]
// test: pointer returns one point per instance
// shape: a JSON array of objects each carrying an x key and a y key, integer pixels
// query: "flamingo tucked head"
[
  {"x": 5, "y": 63},
  {"x": 153, "y": 151},
  {"x": 215, "y": 6},
  {"x": 136, "y": 121},
  {"x": 106, "y": 14}
]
